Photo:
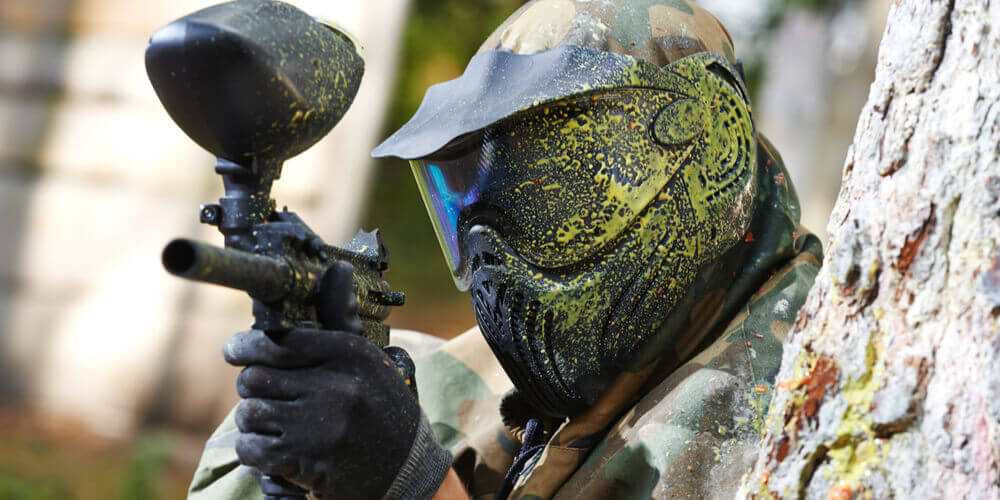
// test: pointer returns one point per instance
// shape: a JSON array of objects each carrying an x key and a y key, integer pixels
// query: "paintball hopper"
[{"x": 253, "y": 78}]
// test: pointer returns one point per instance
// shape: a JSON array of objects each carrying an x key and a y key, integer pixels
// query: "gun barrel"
[{"x": 264, "y": 278}]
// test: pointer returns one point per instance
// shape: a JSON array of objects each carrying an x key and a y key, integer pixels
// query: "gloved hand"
[{"x": 329, "y": 411}]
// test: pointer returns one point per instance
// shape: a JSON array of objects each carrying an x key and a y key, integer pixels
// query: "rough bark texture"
[{"x": 890, "y": 384}]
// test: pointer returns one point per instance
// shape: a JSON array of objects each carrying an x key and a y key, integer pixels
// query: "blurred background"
[{"x": 110, "y": 370}]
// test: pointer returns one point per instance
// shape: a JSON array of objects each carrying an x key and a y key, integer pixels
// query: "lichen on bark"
[{"x": 890, "y": 383}]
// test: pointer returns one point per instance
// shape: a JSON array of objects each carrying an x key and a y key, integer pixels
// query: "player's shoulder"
[{"x": 458, "y": 378}]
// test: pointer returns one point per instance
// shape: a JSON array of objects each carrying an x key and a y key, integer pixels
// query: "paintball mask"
[{"x": 577, "y": 191}]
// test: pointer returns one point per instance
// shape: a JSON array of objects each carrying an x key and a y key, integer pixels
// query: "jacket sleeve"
[
  {"x": 461, "y": 385},
  {"x": 219, "y": 475}
]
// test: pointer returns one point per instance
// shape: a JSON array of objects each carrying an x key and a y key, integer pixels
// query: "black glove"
[{"x": 329, "y": 411}]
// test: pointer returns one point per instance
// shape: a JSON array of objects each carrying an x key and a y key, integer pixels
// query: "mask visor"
[{"x": 448, "y": 185}]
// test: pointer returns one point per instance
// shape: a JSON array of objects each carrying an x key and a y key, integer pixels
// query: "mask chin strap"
[{"x": 533, "y": 441}]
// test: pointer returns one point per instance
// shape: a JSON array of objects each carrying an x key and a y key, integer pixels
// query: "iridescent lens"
[{"x": 447, "y": 187}]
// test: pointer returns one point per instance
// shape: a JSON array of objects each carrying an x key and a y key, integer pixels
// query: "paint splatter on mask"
[{"x": 578, "y": 194}]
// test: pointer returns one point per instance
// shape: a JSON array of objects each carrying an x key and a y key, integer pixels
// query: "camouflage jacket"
[{"x": 687, "y": 426}]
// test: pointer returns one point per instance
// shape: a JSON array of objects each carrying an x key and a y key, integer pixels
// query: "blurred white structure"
[
  {"x": 818, "y": 74},
  {"x": 95, "y": 179}
]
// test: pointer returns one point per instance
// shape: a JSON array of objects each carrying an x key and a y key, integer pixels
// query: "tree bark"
[{"x": 890, "y": 382}]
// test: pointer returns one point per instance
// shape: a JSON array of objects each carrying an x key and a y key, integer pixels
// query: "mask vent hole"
[
  {"x": 530, "y": 319},
  {"x": 490, "y": 259},
  {"x": 534, "y": 334},
  {"x": 501, "y": 292},
  {"x": 516, "y": 313},
  {"x": 548, "y": 325},
  {"x": 518, "y": 331}
]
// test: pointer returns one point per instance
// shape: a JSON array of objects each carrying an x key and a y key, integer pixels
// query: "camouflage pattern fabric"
[
  {"x": 672, "y": 430},
  {"x": 658, "y": 31}
]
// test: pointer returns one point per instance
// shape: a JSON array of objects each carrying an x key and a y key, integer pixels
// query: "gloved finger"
[
  {"x": 298, "y": 348},
  {"x": 262, "y": 416},
  {"x": 258, "y": 381},
  {"x": 338, "y": 304},
  {"x": 266, "y": 453}
]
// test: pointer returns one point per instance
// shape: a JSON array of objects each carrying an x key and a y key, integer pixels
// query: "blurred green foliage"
[
  {"x": 441, "y": 36},
  {"x": 780, "y": 8},
  {"x": 14, "y": 486},
  {"x": 34, "y": 466},
  {"x": 143, "y": 474}
]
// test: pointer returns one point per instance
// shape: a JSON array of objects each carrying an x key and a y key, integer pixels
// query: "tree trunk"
[{"x": 890, "y": 383}]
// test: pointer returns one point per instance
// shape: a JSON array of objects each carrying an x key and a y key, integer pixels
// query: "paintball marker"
[{"x": 256, "y": 82}]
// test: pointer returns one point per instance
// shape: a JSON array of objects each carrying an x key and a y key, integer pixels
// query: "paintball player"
[{"x": 632, "y": 250}]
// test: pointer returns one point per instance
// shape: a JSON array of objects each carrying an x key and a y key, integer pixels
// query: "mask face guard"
[
  {"x": 563, "y": 337},
  {"x": 563, "y": 329}
]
